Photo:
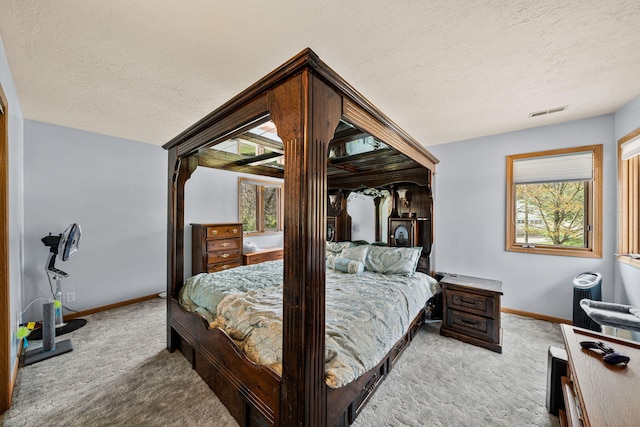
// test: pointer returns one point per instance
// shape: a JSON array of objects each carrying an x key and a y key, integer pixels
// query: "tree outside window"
[{"x": 551, "y": 213}]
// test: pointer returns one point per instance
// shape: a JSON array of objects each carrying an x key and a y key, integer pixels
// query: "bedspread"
[{"x": 366, "y": 314}]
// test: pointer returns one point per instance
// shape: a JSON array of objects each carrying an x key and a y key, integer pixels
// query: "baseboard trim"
[
  {"x": 537, "y": 316},
  {"x": 109, "y": 307}
]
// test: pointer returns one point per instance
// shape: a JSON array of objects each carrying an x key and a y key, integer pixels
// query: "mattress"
[{"x": 366, "y": 313}]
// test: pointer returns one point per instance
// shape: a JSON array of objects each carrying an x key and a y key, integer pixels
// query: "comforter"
[{"x": 366, "y": 313}]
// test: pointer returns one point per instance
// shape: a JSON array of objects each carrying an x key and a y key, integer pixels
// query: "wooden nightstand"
[{"x": 471, "y": 310}]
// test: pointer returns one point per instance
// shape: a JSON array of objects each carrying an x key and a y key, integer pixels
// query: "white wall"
[
  {"x": 627, "y": 119},
  {"x": 470, "y": 211},
  {"x": 16, "y": 220},
  {"x": 116, "y": 190}
]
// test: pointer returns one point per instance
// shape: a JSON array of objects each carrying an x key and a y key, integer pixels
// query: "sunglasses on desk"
[{"x": 609, "y": 355}]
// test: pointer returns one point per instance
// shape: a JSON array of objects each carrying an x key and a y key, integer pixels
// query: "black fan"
[{"x": 63, "y": 246}]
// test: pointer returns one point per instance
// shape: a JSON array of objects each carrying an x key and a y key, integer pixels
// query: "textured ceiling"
[{"x": 444, "y": 70}]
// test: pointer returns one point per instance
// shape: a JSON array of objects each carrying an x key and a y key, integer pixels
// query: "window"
[
  {"x": 260, "y": 205},
  {"x": 629, "y": 186},
  {"x": 554, "y": 202}
]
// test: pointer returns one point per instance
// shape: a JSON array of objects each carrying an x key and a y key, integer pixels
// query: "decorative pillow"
[
  {"x": 345, "y": 265},
  {"x": 249, "y": 247},
  {"x": 392, "y": 260},
  {"x": 335, "y": 248},
  {"x": 331, "y": 260},
  {"x": 355, "y": 253}
]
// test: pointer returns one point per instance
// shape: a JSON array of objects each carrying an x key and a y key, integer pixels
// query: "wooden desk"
[
  {"x": 597, "y": 394},
  {"x": 262, "y": 255}
]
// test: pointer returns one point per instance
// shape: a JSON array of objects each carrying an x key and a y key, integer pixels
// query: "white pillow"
[
  {"x": 392, "y": 260},
  {"x": 355, "y": 253},
  {"x": 335, "y": 248}
]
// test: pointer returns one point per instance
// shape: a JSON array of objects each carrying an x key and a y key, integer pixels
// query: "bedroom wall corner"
[
  {"x": 627, "y": 119},
  {"x": 15, "y": 134},
  {"x": 115, "y": 189},
  {"x": 471, "y": 178}
]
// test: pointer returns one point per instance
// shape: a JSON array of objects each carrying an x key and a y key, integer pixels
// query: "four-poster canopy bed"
[{"x": 316, "y": 115}]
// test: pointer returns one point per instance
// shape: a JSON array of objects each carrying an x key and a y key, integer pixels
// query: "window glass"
[
  {"x": 260, "y": 205},
  {"x": 551, "y": 213},
  {"x": 554, "y": 202},
  {"x": 248, "y": 206},
  {"x": 270, "y": 208},
  {"x": 629, "y": 192}
]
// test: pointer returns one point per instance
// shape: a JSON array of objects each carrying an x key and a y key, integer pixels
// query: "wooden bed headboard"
[{"x": 307, "y": 101}]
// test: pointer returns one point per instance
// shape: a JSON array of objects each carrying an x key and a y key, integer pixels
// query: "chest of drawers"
[
  {"x": 471, "y": 310},
  {"x": 215, "y": 247}
]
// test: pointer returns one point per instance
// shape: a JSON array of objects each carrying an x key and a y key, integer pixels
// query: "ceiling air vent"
[{"x": 549, "y": 111}]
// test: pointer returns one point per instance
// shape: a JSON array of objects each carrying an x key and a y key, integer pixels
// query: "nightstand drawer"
[
  {"x": 470, "y": 324},
  {"x": 473, "y": 303},
  {"x": 471, "y": 308}
]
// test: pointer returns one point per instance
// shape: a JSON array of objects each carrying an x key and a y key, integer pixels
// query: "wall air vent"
[{"x": 549, "y": 111}]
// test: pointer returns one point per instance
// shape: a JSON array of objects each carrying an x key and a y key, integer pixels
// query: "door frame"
[{"x": 6, "y": 375}]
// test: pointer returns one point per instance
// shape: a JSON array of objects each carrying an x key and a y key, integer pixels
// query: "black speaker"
[{"x": 556, "y": 368}]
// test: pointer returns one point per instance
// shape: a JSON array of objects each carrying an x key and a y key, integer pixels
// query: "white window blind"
[
  {"x": 567, "y": 167},
  {"x": 631, "y": 148}
]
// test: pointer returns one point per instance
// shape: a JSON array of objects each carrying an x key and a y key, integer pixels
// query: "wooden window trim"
[
  {"x": 594, "y": 238},
  {"x": 260, "y": 209},
  {"x": 628, "y": 203}
]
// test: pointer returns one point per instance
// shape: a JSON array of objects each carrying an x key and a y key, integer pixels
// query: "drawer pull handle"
[
  {"x": 467, "y": 323},
  {"x": 371, "y": 385},
  {"x": 474, "y": 303},
  {"x": 235, "y": 230},
  {"x": 224, "y": 267},
  {"x": 214, "y": 232},
  {"x": 225, "y": 244},
  {"x": 224, "y": 256}
]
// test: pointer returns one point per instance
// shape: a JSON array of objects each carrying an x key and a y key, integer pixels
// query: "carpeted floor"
[{"x": 120, "y": 374}]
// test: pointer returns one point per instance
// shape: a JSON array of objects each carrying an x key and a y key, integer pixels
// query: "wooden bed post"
[
  {"x": 306, "y": 113},
  {"x": 180, "y": 171}
]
